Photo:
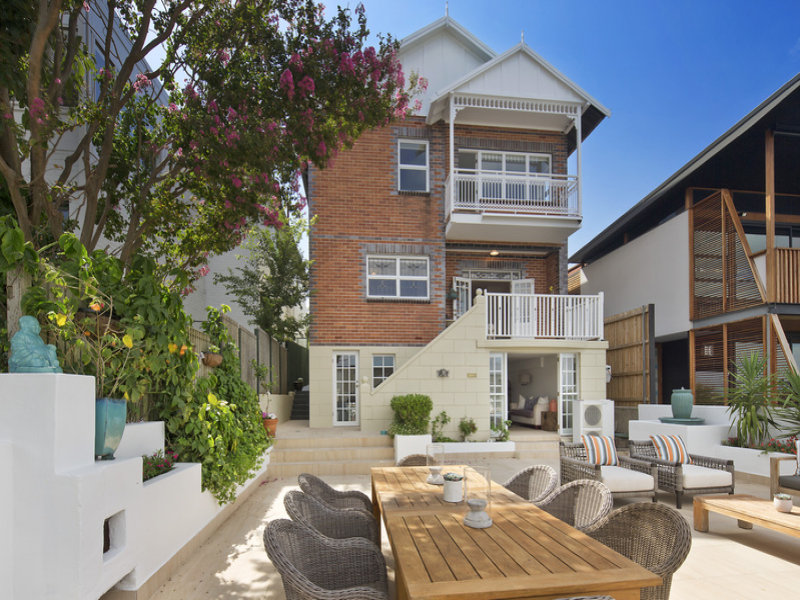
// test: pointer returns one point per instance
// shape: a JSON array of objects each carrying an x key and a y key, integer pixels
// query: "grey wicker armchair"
[
  {"x": 330, "y": 522},
  {"x": 630, "y": 477},
  {"x": 351, "y": 500},
  {"x": 413, "y": 460},
  {"x": 314, "y": 567},
  {"x": 653, "y": 535},
  {"x": 707, "y": 475},
  {"x": 534, "y": 483},
  {"x": 580, "y": 503}
]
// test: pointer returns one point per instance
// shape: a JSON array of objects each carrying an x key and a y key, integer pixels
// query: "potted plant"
[
  {"x": 269, "y": 419},
  {"x": 212, "y": 357},
  {"x": 453, "y": 490},
  {"x": 782, "y": 502},
  {"x": 410, "y": 424},
  {"x": 467, "y": 427}
]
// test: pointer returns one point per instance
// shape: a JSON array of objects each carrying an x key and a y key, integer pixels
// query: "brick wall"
[{"x": 359, "y": 212}]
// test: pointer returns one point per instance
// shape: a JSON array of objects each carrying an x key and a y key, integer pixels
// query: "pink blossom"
[
  {"x": 58, "y": 81},
  {"x": 203, "y": 271},
  {"x": 8, "y": 116},
  {"x": 223, "y": 57},
  {"x": 172, "y": 107},
  {"x": 346, "y": 64},
  {"x": 322, "y": 149},
  {"x": 287, "y": 83},
  {"x": 423, "y": 83},
  {"x": 86, "y": 5},
  {"x": 142, "y": 81},
  {"x": 306, "y": 86},
  {"x": 296, "y": 62},
  {"x": 237, "y": 183}
]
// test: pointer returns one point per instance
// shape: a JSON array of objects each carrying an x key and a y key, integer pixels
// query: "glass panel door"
[
  {"x": 345, "y": 388},
  {"x": 567, "y": 390},
  {"x": 498, "y": 401},
  {"x": 523, "y": 307},
  {"x": 463, "y": 296}
]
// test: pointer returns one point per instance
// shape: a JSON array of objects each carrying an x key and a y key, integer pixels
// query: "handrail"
[{"x": 544, "y": 316}]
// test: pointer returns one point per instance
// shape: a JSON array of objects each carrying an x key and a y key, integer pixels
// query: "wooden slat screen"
[
  {"x": 788, "y": 275},
  {"x": 723, "y": 280},
  {"x": 629, "y": 336},
  {"x": 744, "y": 338},
  {"x": 707, "y": 246},
  {"x": 709, "y": 366}
]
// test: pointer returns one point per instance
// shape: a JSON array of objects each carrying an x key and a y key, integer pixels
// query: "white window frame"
[
  {"x": 426, "y": 168},
  {"x": 376, "y": 381},
  {"x": 528, "y": 155},
  {"x": 398, "y": 278}
]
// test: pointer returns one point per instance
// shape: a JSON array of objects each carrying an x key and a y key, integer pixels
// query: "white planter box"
[
  {"x": 141, "y": 439},
  {"x": 477, "y": 447},
  {"x": 755, "y": 462},
  {"x": 405, "y": 445}
]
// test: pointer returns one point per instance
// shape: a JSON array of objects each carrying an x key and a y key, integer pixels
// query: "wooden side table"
[{"x": 550, "y": 420}]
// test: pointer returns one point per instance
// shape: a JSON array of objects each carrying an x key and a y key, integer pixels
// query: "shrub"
[
  {"x": 467, "y": 427},
  {"x": 157, "y": 464},
  {"x": 437, "y": 425},
  {"x": 411, "y": 414}
]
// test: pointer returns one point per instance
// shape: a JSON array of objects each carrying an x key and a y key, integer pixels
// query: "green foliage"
[
  {"x": 219, "y": 425},
  {"x": 411, "y": 414},
  {"x": 157, "y": 464},
  {"x": 500, "y": 432},
  {"x": 467, "y": 427},
  {"x": 274, "y": 278},
  {"x": 788, "y": 411},
  {"x": 437, "y": 427},
  {"x": 750, "y": 399}
]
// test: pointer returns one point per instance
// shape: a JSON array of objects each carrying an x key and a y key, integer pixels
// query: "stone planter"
[{"x": 783, "y": 505}]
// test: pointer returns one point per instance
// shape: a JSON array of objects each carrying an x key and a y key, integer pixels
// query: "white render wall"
[
  {"x": 461, "y": 349},
  {"x": 653, "y": 268},
  {"x": 56, "y": 497}
]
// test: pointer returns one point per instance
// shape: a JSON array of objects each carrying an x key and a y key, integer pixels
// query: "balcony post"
[
  {"x": 451, "y": 199},
  {"x": 769, "y": 209},
  {"x": 578, "y": 157}
]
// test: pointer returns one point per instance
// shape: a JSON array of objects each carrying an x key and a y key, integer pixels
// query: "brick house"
[{"x": 439, "y": 249}]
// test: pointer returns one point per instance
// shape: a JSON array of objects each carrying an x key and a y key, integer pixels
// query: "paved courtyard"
[{"x": 727, "y": 562}]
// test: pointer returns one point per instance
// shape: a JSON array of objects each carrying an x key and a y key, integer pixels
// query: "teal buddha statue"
[{"x": 29, "y": 354}]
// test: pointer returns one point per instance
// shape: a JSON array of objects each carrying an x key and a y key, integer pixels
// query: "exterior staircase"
[
  {"x": 300, "y": 406},
  {"x": 329, "y": 455}
]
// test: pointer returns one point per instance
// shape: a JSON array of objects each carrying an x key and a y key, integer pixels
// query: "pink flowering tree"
[{"x": 175, "y": 144}]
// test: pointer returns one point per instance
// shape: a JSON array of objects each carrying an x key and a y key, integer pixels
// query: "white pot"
[
  {"x": 782, "y": 504},
  {"x": 453, "y": 491}
]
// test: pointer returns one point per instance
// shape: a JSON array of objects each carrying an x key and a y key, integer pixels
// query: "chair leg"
[{"x": 678, "y": 499}]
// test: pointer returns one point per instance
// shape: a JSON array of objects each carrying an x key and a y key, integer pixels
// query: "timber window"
[
  {"x": 412, "y": 165},
  {"x": 382, "y": 368},
  {"x": 397, "y": 277}
]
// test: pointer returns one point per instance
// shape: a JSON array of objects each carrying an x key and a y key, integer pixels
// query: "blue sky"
[{"x": 675, "y": 74}]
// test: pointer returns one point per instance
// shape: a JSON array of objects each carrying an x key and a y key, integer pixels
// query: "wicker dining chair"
[
  {"x": 413, "y": 460},
  {"x": 352, "y": 499},
  {"x": 580, "y": 503},
  {"x": 653, "y": 535},
  {"x": 314, "y": 567},
  {"x": 330, "y": 522},
  {"x": 534, "y": 483}
]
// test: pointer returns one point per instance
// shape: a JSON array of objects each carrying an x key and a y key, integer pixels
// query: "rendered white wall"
[
  {"x": 653, "y": 268},
  {"x": 6, "y": 519}
]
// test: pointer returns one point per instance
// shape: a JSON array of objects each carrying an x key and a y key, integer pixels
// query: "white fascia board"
[
  {"x": 524, "y": 48},
  {"x": 446, "y": 22}
]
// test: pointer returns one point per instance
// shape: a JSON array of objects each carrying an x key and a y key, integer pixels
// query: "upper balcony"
[{"x": 515, "y": 207}]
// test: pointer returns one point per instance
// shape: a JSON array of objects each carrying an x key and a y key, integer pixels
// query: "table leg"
[
  {"x": 700, "y": 516},
  {"x": 744, "y": 524}
]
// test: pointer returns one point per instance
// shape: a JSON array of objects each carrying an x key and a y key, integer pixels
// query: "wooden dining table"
[{"x": 525, "y": 553}]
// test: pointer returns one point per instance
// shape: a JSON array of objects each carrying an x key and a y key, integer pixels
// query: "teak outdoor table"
[{"x": 526, "y": 553}]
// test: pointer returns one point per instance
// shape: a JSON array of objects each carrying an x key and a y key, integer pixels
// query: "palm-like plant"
[
  {"x": 751, "y": 399},
  {"x": 789, "y": 410}
]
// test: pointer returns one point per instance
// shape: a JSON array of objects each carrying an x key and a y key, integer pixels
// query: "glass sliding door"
[
  {"x": 345, "y": 388},
  {"x": 498, "y": 402},
  {"x": 567, "y": 390}
]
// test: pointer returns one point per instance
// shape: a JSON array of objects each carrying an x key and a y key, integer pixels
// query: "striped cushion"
[
  {"x": 600, "y": 449},
  {"x": 671, "y": 448}
]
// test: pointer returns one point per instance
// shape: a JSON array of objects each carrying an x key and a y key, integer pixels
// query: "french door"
[
  {"x": 567, "y": 390},
  {"x": 498, "y": 400},
  {"x": 345, "y": 388},
  {"x": 523, "y": 309}
]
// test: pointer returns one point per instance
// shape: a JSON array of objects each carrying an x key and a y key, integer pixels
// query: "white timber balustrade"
[
  {"x": 530, "y": 193},
  {"x": 549, "y": 316}
]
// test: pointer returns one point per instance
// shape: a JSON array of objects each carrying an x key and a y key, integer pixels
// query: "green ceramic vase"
[
  {"x": 682, "y": 402},
  {"x": 109, "y": 423}
]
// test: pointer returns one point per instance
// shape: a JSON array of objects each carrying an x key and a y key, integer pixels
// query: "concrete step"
[
  {"x": 371, "y": 441},
  {"x": 331, "y": 454},
  {"x": 544, "y": 449},
  {"x": 291, "y": 470}
]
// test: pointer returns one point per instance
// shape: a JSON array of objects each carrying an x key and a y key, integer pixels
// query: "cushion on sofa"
[
  {"x": 695, "y": 476},
  {"x": 600, "y": 449},
  {"x": 529, "y": 403},
  {"x": 620, "y": 479},
  {"x": 671, "y": 448},
  {"x": 789, "y": 481}
]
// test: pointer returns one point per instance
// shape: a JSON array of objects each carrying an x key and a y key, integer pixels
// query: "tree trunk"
[{"x": 17, "y": 281}]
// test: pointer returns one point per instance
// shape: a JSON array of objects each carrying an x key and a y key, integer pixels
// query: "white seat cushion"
[
  {"x": 620, "y": 479},
  {"x": 695, "y": 476}
]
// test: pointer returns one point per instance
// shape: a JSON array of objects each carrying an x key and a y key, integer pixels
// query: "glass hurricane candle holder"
[
  {"x": 435, "y": 461},
  {"x": 478, "y": 492}
]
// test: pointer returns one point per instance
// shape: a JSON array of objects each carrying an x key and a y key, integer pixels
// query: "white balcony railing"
[
  {"x": 544, "y": 316},
  {"x": 490, "y": 191}
]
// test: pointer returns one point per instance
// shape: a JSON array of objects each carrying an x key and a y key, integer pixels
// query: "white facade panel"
[
  {"x": 519, "y": 76},
  {"x": 651, "y": 269},
  {"x": 442, "y": 59}
]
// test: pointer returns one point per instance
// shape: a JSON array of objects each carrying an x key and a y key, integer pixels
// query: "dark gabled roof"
[{"x": 722, "y": 164}]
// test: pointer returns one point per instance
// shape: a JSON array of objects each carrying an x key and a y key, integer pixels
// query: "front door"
[
  {"x": 345, "y": 388},
  {"x": 523, "y": 308}
]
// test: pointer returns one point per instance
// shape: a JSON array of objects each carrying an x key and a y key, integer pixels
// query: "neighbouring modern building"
[
  {"x": 716, "y": 250},
  {"x": 440, "y": 247}
]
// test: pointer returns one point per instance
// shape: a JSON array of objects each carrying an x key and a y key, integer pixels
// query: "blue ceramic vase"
[
  {"x": 682, "y": 402},
  {"x": 109, "y": 423}
]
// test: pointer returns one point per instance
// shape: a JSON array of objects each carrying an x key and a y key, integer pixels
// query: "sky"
[{"x": 675, "y": 75}]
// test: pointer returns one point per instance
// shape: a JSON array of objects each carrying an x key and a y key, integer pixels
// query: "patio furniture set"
[{"x": 546, "y": 541}]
